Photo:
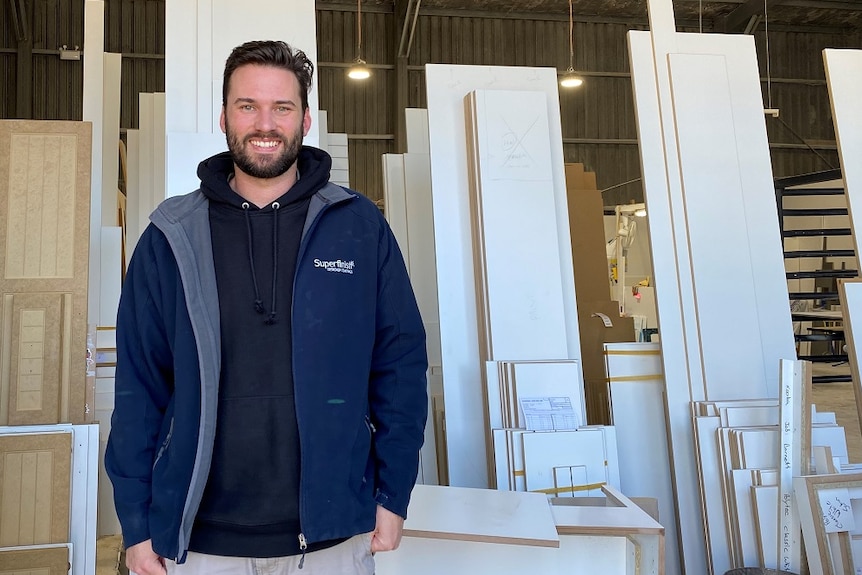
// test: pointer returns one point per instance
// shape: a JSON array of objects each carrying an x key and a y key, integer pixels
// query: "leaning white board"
[
  {"x": 513, "y": 205},
  {"x": 844, "y": 79},
  {"x": 636, "y": 386},
  {"x": 674, "y": 158},
  {"x": 462, "y": 368}
]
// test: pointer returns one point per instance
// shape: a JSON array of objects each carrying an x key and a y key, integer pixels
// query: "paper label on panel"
[
  {"x": 548, "y": 413},
  {"x": 836, "y": 510}
]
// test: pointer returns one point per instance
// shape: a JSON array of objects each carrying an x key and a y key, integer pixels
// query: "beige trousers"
[{"x": 353, "y": 557}]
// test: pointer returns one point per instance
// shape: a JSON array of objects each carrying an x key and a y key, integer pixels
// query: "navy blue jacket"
[{"x": 359, "y": 373}]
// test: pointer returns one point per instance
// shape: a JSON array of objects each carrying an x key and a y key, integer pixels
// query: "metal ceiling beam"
[
  {"x": 819, "y": 4},
  {"x": 19, "y": 20},
  {"x": 739, "y": 19}
]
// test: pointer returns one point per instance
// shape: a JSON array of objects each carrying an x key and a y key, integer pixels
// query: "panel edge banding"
[
  {"x": 66, "y": 358},
  {"x": 5, "y": 355}
]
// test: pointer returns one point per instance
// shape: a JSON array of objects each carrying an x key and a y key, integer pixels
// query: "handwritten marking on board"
[{"x": 836, "y": 510}]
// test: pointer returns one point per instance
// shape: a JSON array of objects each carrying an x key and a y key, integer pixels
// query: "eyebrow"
[{"x": 253, "y": 101}]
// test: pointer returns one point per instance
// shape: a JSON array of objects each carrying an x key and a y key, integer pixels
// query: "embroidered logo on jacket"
[{"x": 339, "y": 266}]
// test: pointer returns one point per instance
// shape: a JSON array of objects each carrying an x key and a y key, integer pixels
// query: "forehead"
[{"x": 260, "y": 82}]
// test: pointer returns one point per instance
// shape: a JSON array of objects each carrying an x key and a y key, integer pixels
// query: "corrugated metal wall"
[
  {"x": 136, "y": 29},
  {"x": 598, "y": 119},
  {"x": 363, "y": 110}
]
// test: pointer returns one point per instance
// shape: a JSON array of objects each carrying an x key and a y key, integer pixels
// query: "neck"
[{"x": 262, "y": 191}]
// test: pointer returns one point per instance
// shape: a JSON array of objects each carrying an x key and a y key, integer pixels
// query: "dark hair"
[{"x": 273, "y": 53}]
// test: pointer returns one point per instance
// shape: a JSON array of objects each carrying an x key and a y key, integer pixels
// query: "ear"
[
  {"x": 306, "y": 121},
  {"x": 221, "y": 120}
]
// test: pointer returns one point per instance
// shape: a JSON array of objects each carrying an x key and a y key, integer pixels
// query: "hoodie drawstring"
[
  {"x": 258, "y": 303},
  {"x": 275, "y": 205}
]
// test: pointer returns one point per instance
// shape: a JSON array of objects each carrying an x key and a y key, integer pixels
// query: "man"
[{"x": 270, "y": 383}]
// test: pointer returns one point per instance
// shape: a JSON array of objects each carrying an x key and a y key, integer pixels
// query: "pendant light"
[{"x": 359, "y": 70}]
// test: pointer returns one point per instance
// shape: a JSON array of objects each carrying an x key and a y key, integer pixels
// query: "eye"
[
  {"x": 282, "y": 109},
  {"x": 246, "y": 107}
]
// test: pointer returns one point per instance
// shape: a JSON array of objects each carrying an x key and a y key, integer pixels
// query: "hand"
[
  {"x": 387, "y": 533},
  {"x": 141, "y": 559}
]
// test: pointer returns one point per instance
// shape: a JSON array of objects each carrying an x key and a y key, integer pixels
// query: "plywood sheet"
[
  {"x": 446, "y": 87},
  {"x": 44, "y": 247},
  {"x": 35, "y": 488},
  {"x": 46, "y": 560}
]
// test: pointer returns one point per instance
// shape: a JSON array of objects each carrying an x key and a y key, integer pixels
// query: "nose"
[{"x": 265, "y": 121}]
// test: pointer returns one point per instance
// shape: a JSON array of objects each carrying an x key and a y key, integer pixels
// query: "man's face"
[{"x": 263, "y": 120}]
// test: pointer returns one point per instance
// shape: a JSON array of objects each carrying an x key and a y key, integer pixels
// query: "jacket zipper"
[
  {"x": 165, "y": 443},
  {"x": 303, "y": 544}
]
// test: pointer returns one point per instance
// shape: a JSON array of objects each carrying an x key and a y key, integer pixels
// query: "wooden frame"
[
  {"x": 41, "y": 559},
  {"x": 821, "y": 560},
  {"x": 84, "y": 493}
]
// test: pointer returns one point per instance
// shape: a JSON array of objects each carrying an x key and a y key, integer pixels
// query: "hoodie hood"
[
  {"x": 215, "y": 173},
  {"x": 231, "y": 216}
]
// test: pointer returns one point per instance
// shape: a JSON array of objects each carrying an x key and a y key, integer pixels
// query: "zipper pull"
[{"x": 303, "y": 545}]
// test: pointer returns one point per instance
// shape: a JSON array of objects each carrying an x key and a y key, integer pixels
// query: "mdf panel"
[
  {"x": 81, "y": 528},
  {"x": 198, "y": 39},
  {"x": 35, "y": 487},
  {"x": 462, "y": 368},
  {"x": 843, "y": 70},
  {"x": 679, "y": 184},
  {"x": 34, "y": 382},
  {"x": 395, "y": 201},
  {"x": 36, "y": 561},
  {"x": 636, "y": 386},
  {"x": 708, "y": 145},
  {"x": 513, "y": 188},
  {"x": 683, "y": 380},
  {"x": 44, "y": 261},
  {"x": 40, "y": 228}
]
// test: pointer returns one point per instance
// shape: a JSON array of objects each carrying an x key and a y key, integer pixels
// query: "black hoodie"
[{"x": 250, "y": 507}]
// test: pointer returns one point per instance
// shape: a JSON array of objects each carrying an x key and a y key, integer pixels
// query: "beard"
[{"x": 264, "y": 167}]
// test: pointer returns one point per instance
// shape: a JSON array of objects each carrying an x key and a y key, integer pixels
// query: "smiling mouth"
[{"x": 265, "y": 144}]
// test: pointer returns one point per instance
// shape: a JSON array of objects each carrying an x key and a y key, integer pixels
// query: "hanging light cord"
[
  {"x": 768, "y": 67},
  {"x": 571, "y": 38},
  {"x": 359, "y": 30},
  {"x": 700, "y": 15}
]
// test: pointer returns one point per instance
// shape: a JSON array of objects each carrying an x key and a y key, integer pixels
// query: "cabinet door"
[
  {"x": 44, "y": 253},
  {"x": 35, "y": 488}
]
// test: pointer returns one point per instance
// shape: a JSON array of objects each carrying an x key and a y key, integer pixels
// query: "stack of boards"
[
  {"x": 741, "y": 440},
  {"x": 570, "y": 462}
]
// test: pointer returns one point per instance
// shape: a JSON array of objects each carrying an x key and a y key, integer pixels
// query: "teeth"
[{"x": 262, "y": 144}]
